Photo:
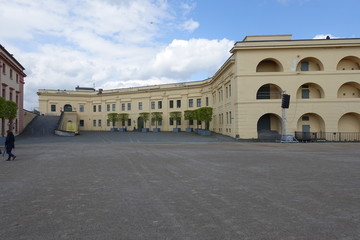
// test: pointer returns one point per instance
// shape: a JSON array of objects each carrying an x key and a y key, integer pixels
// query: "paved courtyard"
[{"x": 178, "y": 186}]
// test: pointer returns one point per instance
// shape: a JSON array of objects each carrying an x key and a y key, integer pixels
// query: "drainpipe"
[
  {"x": 1, "y": 129},
  {"x": 0, "y": 77}
]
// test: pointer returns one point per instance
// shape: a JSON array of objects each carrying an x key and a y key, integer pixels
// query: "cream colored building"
[{"x": 321, "y": 76}]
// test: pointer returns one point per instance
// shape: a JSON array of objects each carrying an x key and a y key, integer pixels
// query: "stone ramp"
[{"x": 41, "y": 126}]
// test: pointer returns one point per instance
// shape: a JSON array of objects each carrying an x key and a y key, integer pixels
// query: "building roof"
[{"x": 11, "y": 56}]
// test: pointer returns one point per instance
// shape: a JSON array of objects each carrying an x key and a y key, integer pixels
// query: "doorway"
[{"x": 140, "y": 123}]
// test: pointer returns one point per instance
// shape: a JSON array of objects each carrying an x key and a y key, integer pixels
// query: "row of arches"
[
  {"x": 308, "y": 64},
  {"x": 308, "y": 90},
  {"x": 269, "y": 126}
]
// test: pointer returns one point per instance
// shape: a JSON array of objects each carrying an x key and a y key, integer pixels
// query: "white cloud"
[
  {"x": 183, "y": 58},
  {"x": 109, "y": 43},
  {"x": 187, "y": 7},
  {"x": 324, "y": 36},
  {"x": 190, "y": 25}
]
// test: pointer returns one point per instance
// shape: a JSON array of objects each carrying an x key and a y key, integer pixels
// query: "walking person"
[{"x": 10, "y": 144}]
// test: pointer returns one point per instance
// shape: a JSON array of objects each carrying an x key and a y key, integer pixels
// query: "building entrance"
[{"x": 140, "y": 123}]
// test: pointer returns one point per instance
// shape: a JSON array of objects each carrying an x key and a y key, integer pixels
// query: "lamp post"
[{"x": 285, "y": 102}]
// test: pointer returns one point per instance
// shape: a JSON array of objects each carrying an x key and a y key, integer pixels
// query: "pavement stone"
[{"x": 102, "y": 185}]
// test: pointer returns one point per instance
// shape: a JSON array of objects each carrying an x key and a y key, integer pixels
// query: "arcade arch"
[{"x": 269, "y": 65}]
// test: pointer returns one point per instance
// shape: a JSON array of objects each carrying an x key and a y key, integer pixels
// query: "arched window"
[
  {"x": 310, "y": 64},
  {"x": 67, "y": 108},
  {"x": 310, "y": 91},
  {"x": 269, "y": 91},
  {"x": 349, "y": 122},
  {"x": 310, "y": 127},
  {"x": 349, "y": 63},
  {"x": 349, "y": 90},
  {"x": 269, "y": 126},
  {"x": 269, "y": 65}
]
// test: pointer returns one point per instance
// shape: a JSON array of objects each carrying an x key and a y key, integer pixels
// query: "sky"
[{"x": 113, "y": 44}]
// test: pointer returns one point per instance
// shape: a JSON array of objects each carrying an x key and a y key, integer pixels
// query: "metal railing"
[
  {"x": 268, "y": 95},
  {"x": 60, "y": 120},
  {"x": 328, "y": 136}
]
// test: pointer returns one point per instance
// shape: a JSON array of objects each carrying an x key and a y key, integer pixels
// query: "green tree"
[
  {"x": 10, "y": 111},
  {"x": 113, "y": 117},
  {"x": 2, "y": 107},
  {"x": 175, "y": 116},
  {"x": 145, "y": 116},
  {"x": 123, "y": 117},
  {"x": 2, "y": 112},
  {"x": 189, "y": 115},
  {"x": 205, "y": 114},
  {"x": 156, "y": 117},
  {"x": 196, "y": 117}
]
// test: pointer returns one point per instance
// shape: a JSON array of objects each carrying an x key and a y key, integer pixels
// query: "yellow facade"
[{"x": 321, "y": 76}]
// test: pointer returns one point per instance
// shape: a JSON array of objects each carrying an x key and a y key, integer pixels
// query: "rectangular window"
[
  {"x": 306, "y": 128},
  {"x": 230, "y": 90},
  {"x": 108, "y": 107},
  {"x": 81, "y": 123},
  {"x": 171, "y": 104},
  {"x": 230, "y": 117},
  {"x": 94, "y": 108},
  {"x": 17, "y": 78},
  {"x": 140, "y": 106},
  {"x": 305, "y": 93},
  {"x": 160, "y": 123},
  {"x": 123, "y": 107},
  {"x": 191, "y": 103},
  {"x": 53, "y": 108},
  {"x": 99, "y": 108},
  {"x": 178, "y": 122},
  {"x": 81, "y": 108},
  {"x": 198, "y": 102},
  {"x": 191, "y": 122},
  {"x": 159, "y": 104},
  {"x": 171, "y": 122},
  {"x": 129, "y": 122},
  {"x": 17, "y": 99},
  {"x": 304, "y": 66},
  {"x": 10, "y": 73},
  {"x": 108, "y": 122},
  {"x": 207, "y": 101},
  {"x": 129, "y": 106},
  {"x": 94, "y": 123},
  {"x": 4, "y": 67},
  {"x": 306, "y": 118},
  {"x": 226, "y": 92},
  {"x": 113, "y": 107},
  {"x": 152, "y": 105},
  {"x": 178, "y": 103},
  {"x": 99, "y": 122}
]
